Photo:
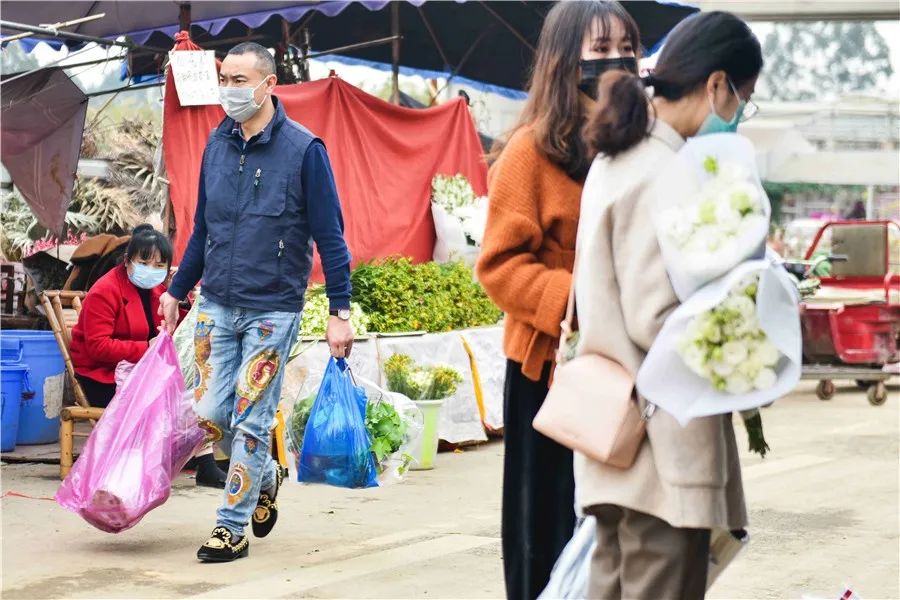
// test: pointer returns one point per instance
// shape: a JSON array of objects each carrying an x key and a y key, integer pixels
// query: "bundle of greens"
[{"x": 419, "y": 382}]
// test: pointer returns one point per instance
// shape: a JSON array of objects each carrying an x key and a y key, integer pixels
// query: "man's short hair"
[{"x": 265, "y": 63}]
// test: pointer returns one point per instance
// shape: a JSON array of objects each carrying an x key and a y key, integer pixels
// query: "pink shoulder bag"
[{"x": 591, "y": 406}]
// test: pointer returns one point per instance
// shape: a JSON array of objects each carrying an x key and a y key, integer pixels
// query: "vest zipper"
[
  {"x": 237, "y": 207},
  {"x": 280, "y": 273}
]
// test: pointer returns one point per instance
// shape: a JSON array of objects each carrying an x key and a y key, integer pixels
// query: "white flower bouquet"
[
  {"x": 726, "y": 346},
  {"x": 734, "y": 345},
  {"x": 712, "y": 213},
  {"x": 459, "y": 218}
]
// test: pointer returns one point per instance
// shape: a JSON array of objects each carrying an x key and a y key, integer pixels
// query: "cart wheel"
[
  {"x": 863, "y": 384},
  {"x": 877, "y": 394},
  {"x": 825, "y": 389}
]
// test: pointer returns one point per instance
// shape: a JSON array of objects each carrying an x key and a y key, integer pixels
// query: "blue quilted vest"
[{"x": 258, "y": 247}]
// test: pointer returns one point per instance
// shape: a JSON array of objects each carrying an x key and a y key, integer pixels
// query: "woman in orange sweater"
[{"x": 526, "y": 268}]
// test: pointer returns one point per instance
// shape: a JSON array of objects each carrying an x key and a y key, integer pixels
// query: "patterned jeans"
[{"x": 241, "y": 354}]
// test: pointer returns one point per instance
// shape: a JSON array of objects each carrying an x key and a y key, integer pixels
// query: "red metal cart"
[{"x": 851, "y": 327}]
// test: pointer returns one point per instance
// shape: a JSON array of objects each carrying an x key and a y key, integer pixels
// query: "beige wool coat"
[{"x": 688, "y": 476}]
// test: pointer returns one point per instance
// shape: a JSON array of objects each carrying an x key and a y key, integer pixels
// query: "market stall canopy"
[
  {"x": 383, "y": 156},
  {"x": 465, "y": 39},
  {"x": 41, "y": 124}
]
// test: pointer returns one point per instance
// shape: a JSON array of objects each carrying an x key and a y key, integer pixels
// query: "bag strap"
[{"x": 569, "y": 319}]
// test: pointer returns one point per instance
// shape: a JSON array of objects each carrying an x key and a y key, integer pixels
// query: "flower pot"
[{"x": 425, "y": 449}]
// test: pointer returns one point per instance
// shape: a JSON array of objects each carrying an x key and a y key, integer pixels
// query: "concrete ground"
[{"x": 824, "y": 513}]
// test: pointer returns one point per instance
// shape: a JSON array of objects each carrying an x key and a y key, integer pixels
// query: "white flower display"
[
  {"x": 316, "y": 314},
  {"x": 726, "y": 345}
]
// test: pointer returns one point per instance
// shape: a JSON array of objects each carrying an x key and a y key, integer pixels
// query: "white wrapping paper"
[
  {"x": 685, "y": 179},
  {"x": 665, "y": 380},
  {"x": 450, "y": 242}
]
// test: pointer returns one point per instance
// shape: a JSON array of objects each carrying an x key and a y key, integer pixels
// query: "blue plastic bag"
[{"x": 336, "y": 445}]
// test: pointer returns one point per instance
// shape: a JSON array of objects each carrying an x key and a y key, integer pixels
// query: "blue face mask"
[
  {"x": 716, "y": 124},
  {"x": 147, "y": 277}
]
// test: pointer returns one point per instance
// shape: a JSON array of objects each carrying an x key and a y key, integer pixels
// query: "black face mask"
[{"x": 592, "y": 70}]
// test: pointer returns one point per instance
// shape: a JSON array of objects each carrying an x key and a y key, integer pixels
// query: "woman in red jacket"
[{"x": 119, "y": 319}]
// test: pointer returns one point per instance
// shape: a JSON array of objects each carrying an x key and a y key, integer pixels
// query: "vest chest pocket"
[{"x": 268, "y": 193}]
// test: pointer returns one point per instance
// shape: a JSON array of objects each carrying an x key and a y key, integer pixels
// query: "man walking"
[{"x": 266, "y": 192}]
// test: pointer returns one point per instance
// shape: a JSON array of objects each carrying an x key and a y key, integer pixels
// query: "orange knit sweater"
[{"x": 529, "y": 249}]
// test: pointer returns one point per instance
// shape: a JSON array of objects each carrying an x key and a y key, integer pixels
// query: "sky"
[{"x": 889, "y": 30}]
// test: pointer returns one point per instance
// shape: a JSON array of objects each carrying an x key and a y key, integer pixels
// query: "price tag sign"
[{"x": 196, "y": 80}]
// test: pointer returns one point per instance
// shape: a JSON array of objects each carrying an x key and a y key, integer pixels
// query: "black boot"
[
  {"x": 266, "y": 512},
  {"x": 220, "y": 547},
  {"x": 209, "y": 474}
]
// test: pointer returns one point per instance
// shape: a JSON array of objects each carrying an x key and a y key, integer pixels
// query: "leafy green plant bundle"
[{"x": 399, "y": 296}]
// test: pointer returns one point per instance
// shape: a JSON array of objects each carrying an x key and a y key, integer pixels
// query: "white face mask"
[{"x": 239, "y": 102}]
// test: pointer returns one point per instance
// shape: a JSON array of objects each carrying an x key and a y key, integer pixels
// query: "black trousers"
[
  {"x": 538, "y": 490},
  {"x": 98, "y": 394}
]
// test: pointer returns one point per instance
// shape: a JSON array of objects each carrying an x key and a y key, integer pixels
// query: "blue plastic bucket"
[
  {"x": 13, "y": 385},
  {"x": 10, "y": 349},
  {"x": 39, "y": 415}
]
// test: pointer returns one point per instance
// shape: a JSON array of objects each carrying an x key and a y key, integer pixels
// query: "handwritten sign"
[{"x": 195, "y": 76}]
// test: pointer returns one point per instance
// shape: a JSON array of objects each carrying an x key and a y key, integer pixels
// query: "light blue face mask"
[
  {"x": 239, "y": 103},
  {"x": 147, "y": 277},
  {"x": 716, "y": 124}
]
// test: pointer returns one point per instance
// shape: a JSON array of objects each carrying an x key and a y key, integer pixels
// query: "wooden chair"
[{"x": 62, "y": 320}]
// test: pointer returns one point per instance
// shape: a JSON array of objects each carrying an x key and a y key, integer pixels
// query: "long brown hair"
[{"x": 555, "y": 107}]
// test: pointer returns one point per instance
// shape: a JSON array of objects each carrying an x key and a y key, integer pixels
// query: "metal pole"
[
  {"x": 395, "y": 52},
  {"x": 20, "y": 36},
  {"x": 53, "y": 33},
  {"x": 184, "y": 16},
  {"x": 304, "y": 56},
  {"x": 127, "y": 88},
  {"x": 870, "y": 202},
  {"x": 358, "y": 46}
]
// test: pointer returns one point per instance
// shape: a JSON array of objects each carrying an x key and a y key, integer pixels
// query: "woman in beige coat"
[{"x": 654, "y": 519}]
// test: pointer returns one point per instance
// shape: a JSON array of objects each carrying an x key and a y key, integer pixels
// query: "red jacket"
[{"x": 112, "y": 327}]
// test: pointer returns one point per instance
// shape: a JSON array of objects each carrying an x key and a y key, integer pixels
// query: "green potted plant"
[{"x": 428, "y": 387}]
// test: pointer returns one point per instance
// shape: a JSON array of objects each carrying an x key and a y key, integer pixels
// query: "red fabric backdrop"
[{"x": 383, "y": 157}]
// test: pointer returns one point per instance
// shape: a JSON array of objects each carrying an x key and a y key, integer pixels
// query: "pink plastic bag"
[
  {"x": 146, "y": 435},
  {"x": 123, "y": 371}
]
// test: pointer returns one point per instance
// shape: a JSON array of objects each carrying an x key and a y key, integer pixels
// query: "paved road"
[{"x": 824, "y": 510}]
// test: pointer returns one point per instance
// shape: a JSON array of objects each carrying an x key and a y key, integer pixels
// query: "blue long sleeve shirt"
[{"x": 326, "y": 226}]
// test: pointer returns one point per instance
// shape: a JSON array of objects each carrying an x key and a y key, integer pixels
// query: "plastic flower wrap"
[
  {"x": 734, "y": 345},
  {"x": 459, "y": 218},
  {"x": 712, "y": 212}
]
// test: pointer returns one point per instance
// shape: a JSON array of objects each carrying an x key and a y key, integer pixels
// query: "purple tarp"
[{"x": 41, "y": 124}]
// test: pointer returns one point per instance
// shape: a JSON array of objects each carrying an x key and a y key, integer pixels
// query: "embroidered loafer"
[
  {"x": 219, "y": 547},
  {"x": 266, "y": 513}
]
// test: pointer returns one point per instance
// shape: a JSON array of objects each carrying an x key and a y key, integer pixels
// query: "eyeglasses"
[
  {"x": 750, "y": 110},
  {"x": 750, "y": 107}
]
